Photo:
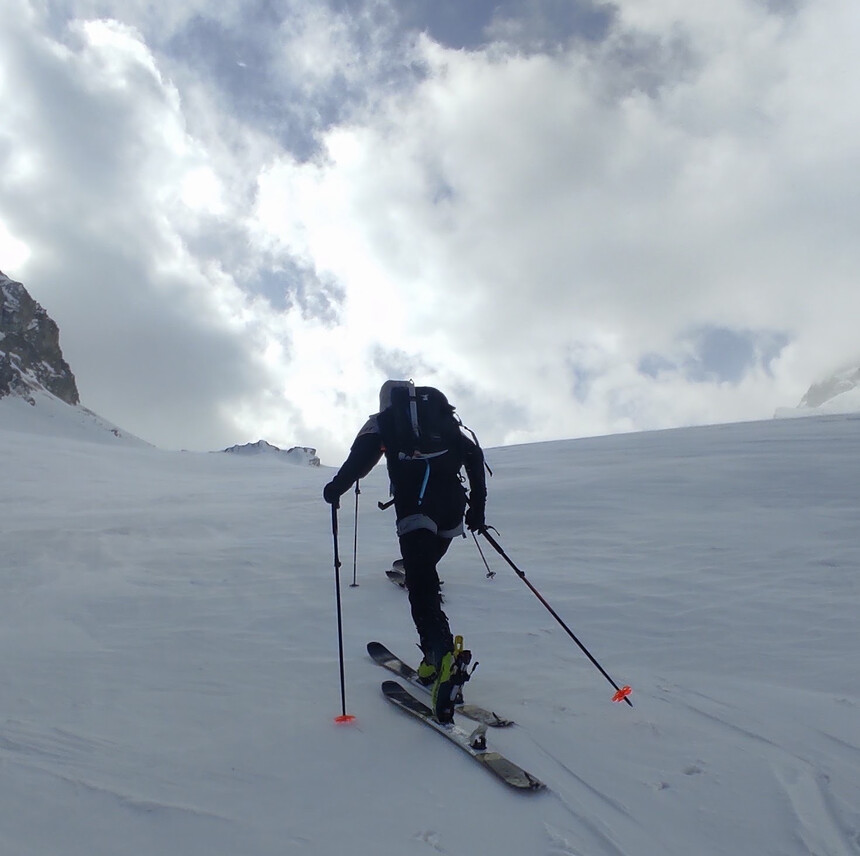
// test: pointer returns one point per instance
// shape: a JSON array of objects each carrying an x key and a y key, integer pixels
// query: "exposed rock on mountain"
[
  {"x": 296, "y": 454},
  {"x": 836, "y": 385},
  {"x": 30, "y": 354},
  {"x": 839, "y": 393},
  {"x": 32, "y": 370}
]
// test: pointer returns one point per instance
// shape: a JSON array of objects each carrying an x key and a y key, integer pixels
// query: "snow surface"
[
  {"x": 169, "y": 662},
  {"x": 48, "y": 416}
]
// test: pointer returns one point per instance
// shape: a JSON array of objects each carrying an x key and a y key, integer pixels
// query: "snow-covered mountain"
[
  {"x": 838, "y": 393},
  {"x": 38, "y": 391},
  {"x": 170, "y": 677},
  {"x": 294, "y": 455}
]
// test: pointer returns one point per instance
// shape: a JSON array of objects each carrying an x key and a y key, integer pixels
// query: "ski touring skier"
[{"x": 425, "y": 450}]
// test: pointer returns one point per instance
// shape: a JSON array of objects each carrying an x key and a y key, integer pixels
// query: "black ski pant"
[{"x": 421, "y": 550}]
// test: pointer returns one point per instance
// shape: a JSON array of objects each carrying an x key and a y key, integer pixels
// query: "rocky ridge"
[
  {"x": 30, "y": 355},
  {"x": 838, "y": 384},
  {"x": 295, "y": 454}
]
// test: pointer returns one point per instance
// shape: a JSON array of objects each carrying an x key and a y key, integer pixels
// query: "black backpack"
[
  {"x": 424, "y": 447},
  {"x": 424, "y": 423}
]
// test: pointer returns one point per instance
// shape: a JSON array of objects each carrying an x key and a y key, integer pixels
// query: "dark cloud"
[
  {"x": 782, "y": 7},
  {"x": 719, "y": 355},
  {"x": 287, "y": 285},
  {"x": 648, "y": 62},
  {"x": 259, "y": 69},
  {"x": 547, "y": 26},
  {"x": 395, "y": 364},
  {"x": 239, "y": 63},
  {"x": 528, "y": 25},
  {"x": 451, "y": 23},
  {"x": 581, "y": 378},
  {"x": 251, "y": 67},
  {"x": 722, "y": 354}
]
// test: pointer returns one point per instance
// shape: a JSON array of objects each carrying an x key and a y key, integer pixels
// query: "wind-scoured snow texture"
[
  {"x": 294, "y": 455},
  {"x": 170, "y": 670},
  {"x": 30, "y": 355}
]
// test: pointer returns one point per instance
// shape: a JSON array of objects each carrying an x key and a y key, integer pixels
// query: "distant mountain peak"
[
  {"x": 30, "y": 356},
  {"x": 296, "y": 454},
  {"x": 838, "y": 393},
  {"x": 837, "y": 384}
]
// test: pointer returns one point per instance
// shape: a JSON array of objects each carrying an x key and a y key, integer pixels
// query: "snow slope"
[
  {"x": 48, "y": 416},
  {"x": 169, "y": 668}
]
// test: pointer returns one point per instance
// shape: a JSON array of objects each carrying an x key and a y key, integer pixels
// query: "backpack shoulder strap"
[{"x": 404, "y": 408}]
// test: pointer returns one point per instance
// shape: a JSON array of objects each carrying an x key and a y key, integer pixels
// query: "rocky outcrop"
[
  {"x": 838, "y": 384},
  {"x": 30, "y": 354},
  {"x": 295, "y": 455},
  {"x": 837, "y": 394}
]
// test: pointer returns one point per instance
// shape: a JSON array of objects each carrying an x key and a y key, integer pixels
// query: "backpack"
[
  {"x": 424, "y": 422},
  {"x": 422, "y": 439}
]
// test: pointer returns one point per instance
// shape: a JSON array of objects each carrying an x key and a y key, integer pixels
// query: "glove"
[
  {"x": 331, "y": 494},
  {"x": 475, "y": 519}
]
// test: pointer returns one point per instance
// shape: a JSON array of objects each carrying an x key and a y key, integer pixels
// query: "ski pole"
[
  {"x": 354, "y": 583},
  {"x": 490, "y": 574},
  {"x": 622, "y": 693},
  {"x": 344, "y": 716}
]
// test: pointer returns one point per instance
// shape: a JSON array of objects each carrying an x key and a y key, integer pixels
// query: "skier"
[{"x": 425, "y": 452}]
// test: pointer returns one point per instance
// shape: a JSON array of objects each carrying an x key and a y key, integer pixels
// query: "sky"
[{"x": 576, "y": 218}]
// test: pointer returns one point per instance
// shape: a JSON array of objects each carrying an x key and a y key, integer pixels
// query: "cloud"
[
  {"x": 533, "y": 220},
  {"x": 105, "y": 185},
  {"x": 647, "y": 221}
]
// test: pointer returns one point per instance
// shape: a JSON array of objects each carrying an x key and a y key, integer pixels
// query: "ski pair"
[
  {"x": 473, "y": 743},
  {"x": 381, "y": 655}
]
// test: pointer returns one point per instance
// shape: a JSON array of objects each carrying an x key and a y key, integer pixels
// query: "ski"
[
  {"x": 474, "y": 743},
  {"x": 381, "y": 655},
  {"x": 398, "y": 576}
]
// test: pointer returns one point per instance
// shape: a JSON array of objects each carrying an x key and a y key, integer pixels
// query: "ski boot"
[
  {"x": 426, "y": 673},
  {"x": 448, "y": 687}
]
